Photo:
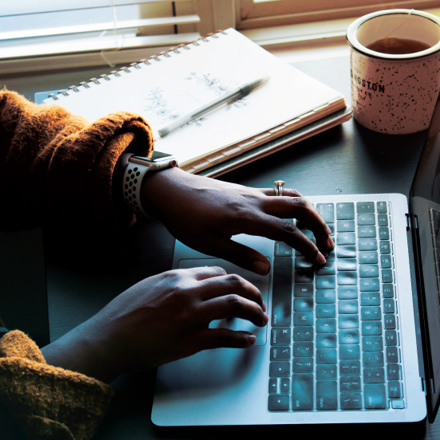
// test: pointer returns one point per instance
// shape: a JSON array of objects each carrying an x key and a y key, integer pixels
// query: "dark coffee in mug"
[{"x": 397, "y": 46}]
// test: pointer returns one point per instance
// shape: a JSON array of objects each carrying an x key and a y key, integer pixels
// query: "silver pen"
[{"x": 239, "y": 93}]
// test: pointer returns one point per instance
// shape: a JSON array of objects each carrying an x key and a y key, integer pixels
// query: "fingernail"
[
  {"x": 252, "y": 339},
  {"x": 330, "y": 243},
  {"x": 261, "y": 267},
  {"x": 320, "y": 259}
]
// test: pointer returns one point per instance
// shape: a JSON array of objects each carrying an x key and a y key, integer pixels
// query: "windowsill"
[{"x": 317, "y": 52}]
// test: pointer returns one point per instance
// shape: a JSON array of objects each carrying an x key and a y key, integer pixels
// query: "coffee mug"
[{"x": 395, "y": 70}]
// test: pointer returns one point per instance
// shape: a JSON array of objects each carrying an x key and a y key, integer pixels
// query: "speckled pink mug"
[{"x": 395, "y": 93}]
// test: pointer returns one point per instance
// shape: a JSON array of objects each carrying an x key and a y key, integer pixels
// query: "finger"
[
  {"x": 230, "y": 284},
  {"x": 222, "y": 337},
  {"x": 276, "y": 229},
  {"x": 300, "y": 209},
  {"x": 307, "y": 216},
  {"x": 288, "y": 192},
  {"x": 293, "y": 205},
  {"x": 231, "y": 306},
  {"x": 204, "y": 272},
  {"x": 288, "y": 232},
  {"x": 239, "y": 254}
]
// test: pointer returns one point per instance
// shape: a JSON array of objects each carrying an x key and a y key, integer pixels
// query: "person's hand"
[
  {"x": 160, "y": 319},
  {"x": 205, "y": 214}
]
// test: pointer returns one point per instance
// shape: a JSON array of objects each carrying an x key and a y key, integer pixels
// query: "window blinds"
[{"x": 30, "y": 29}]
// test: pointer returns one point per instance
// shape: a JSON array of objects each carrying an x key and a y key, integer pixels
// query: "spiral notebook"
[{"x": 176, "y": 82}]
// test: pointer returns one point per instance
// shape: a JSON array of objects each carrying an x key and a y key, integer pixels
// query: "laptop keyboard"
[{"x": 334, "y": 338}]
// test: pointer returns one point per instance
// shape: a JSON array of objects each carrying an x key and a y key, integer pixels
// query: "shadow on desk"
[
  {"x": 415, "y": 432},
  {"x": 382, "y": 150},
  {"x": 345, "y": 160}
]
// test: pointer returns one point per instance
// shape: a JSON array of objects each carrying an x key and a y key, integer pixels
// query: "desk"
[{"x": 347, "y": 159}]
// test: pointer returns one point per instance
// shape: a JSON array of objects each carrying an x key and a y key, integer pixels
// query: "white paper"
[{"x": 184, "y": 80}]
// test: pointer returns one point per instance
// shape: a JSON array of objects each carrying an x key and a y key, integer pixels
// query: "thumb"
[{"x": 240, "y": 255}]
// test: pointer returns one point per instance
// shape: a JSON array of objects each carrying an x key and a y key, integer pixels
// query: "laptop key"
[
  {"x": 351, "y": 401},
  {"x": 365, "y": 207},
  {"x": 367, "y": 244},
  {"x": 345, "y": 226},
  {"x": 326, "y": 395},
  {"x": 366, "y": 219},
  {"x": 279, "y": 402},
  {"x": 303, "y": 365},
  {"x": 281, "y": 295},
  {"x": 279, "y": 369},
  {"x": 375, "y": 396},
  {"x": 348, "y": 251},
  {"x": 346, "y": 238},
  {"x": 302, "y": 391},
  {"x": 327, "y": 211},
  {"x": 367, "y": 231},
  {"x": 345, "y": 211},
  {"x": 382, "y": 207},
  {"x": 368, "y": 257},
  {"x": 350, "y": 384}
]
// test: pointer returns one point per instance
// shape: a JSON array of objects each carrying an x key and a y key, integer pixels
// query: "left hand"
[
  {"x": 158, "y": 320},
  {"x": 205, "y": 213}
]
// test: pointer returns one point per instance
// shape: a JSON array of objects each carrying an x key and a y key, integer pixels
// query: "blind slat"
[
  {"x": 24, "y": 7},
  {"x": 99, "y": 45},
  {"x": 99, "y": 27}
]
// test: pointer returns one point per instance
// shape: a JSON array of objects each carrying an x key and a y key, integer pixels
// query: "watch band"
[{"x": 133, "y": 176}]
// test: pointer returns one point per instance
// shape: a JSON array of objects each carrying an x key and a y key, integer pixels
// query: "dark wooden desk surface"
[{"x": 348, "y": 159}]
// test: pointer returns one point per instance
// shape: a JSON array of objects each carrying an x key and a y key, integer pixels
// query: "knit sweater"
[{"x": 56, "y": 167}]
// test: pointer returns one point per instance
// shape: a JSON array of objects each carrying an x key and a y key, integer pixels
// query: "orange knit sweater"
[{"x": 57, "y": 167}]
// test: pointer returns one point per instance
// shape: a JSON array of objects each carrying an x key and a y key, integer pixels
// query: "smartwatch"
[{"x": 134, "y": 174}]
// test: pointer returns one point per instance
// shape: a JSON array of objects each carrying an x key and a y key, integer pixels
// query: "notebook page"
[{"x": 183, "y": 80}]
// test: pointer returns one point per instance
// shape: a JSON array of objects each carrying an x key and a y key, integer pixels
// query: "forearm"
[{"x": 84, "y": 350}]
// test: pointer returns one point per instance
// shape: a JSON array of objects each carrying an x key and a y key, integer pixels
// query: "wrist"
[
  {"x": 80, "y": 350},
  {"x": 159, "y": 187},
  {"x": 137, "y": 171}
]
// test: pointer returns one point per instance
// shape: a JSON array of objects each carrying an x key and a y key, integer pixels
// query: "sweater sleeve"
[
  {"x": 45, "y": 401},
  {"x": 56, "y": 167}
]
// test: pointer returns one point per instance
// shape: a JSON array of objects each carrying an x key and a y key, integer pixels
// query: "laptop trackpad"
[{"x": 261, "y": 282}]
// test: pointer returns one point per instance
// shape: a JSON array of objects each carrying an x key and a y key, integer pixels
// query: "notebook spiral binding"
[{"x": 135, "y": 65}]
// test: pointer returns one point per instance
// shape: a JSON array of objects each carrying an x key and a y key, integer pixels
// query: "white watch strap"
[{"x": 133, "y": 176}]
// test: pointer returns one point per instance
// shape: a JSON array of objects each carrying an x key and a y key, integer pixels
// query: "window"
[
  {"x": 263, "y": 13},
  {"x": 86, "y": 29},
  {"x": 48, "y": 34},
  {"x": 276, "y": 24}
]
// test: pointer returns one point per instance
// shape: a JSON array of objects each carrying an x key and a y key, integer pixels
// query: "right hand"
[
  {"x": 206, "y": 214},
  {"x": 160, "y": 319}
]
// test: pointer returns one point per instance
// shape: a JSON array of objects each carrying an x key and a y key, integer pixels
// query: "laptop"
[{"x": 355, "y": 341}]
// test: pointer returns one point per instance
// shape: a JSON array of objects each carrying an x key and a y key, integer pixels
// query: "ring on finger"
[{"x": 279, "y": 187}]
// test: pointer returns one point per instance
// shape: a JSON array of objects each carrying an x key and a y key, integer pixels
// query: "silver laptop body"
[{"x": 279, "y": 380}]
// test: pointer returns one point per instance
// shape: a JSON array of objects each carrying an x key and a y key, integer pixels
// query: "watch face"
[
  {"x": 156, "y": 160},
  {"x": 158, "y": 155}
]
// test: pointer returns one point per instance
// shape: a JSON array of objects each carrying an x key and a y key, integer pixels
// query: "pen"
[{"x": 239, "y": 93}]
